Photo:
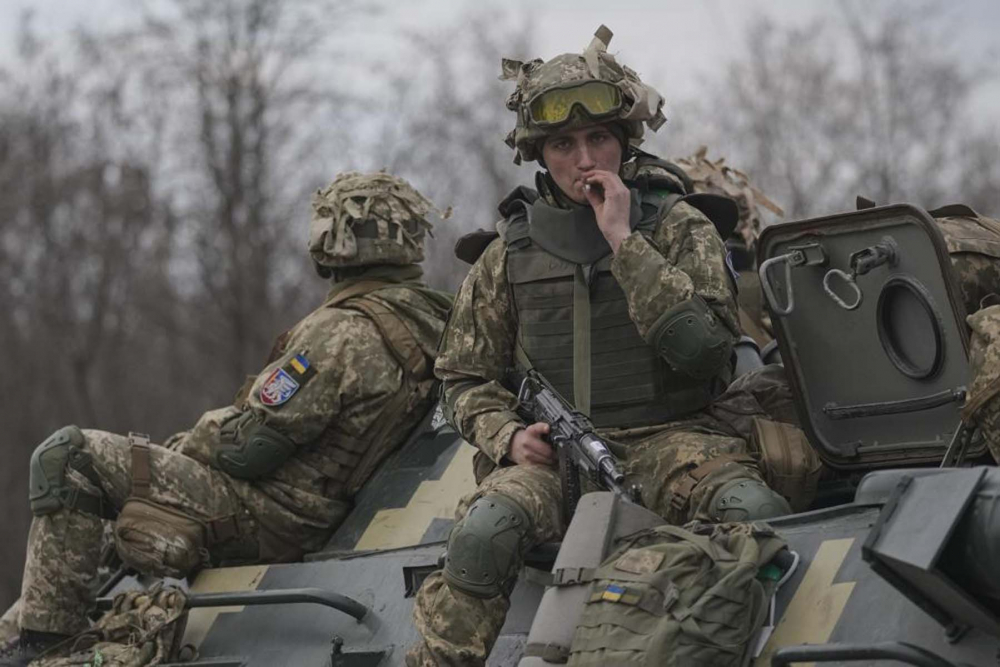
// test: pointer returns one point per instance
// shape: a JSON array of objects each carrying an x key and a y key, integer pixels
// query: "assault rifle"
[{"x": 576, "y": 442}]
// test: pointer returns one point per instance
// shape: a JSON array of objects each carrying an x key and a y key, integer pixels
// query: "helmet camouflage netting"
[
  {"x": 641, "y": 102},
  {"x": 715, "y": 177},
  {"x": 363, "y": 219}
]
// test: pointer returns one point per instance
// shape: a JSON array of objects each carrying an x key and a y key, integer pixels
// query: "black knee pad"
[
  {"x": 485, "y": 547},
  {"x": 48, "y": 491}
]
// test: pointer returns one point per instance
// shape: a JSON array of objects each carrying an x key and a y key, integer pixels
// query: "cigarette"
[{"x": 586, "y": 186}]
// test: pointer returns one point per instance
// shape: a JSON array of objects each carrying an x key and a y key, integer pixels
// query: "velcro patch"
[
  {"x": 299, "y": 369},
  {"x": 639, "y": 561},
  {"x": 616, "y": 593},
  {"x": 278, "y": 388}
]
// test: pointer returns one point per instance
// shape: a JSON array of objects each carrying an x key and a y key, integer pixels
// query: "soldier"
[
  {"x": 618, "y": 293},
  {"x": 269, "y": 478},
  {"x": 974, "y": 247}
]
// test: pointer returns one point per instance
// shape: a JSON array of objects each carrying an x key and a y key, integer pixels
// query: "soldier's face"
[{"x": 573, "y": 155}]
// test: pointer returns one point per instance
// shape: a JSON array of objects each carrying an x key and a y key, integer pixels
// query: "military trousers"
[
  {"x": 64, "y": 547},
  {"x": 458, "y": 629}
]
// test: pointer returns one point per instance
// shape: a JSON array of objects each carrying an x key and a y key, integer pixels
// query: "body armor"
[{"x": 563, "y": 291}]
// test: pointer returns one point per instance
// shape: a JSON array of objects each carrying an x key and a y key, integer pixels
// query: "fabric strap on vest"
[
  {"x": 141, "y": 473},
  {"x": 581, "y": 341},
  {"x": 692, "y": 478}
]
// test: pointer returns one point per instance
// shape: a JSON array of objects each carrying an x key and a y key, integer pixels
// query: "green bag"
[{"x": 671, "y": 596}]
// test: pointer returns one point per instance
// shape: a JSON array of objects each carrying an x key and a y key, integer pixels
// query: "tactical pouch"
[
  {"x": 159, "y": 540},
  {"x": 791, "y": 466}
]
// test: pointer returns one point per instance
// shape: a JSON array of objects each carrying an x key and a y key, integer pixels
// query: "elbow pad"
[
  {"x": 692, "y": 339},
  {"x": 248, "y": 449}
]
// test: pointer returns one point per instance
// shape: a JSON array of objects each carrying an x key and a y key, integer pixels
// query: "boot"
[{"x": 31, "y": 644}]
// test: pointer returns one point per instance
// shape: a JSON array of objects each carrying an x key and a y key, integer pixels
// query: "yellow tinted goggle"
[{"x": 553, "y": 107}]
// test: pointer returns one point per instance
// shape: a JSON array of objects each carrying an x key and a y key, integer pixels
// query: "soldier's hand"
[
  {"x": 528, "y": 446},
  {"x": 611, "y": 202}
]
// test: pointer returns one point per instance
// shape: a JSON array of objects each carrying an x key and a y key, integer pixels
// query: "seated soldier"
[
  {"x": 618, "y": 293},
  {"x": 271, "y": 477}
]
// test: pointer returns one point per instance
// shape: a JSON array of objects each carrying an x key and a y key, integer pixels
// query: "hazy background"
[{"x": 156, "y": 160}]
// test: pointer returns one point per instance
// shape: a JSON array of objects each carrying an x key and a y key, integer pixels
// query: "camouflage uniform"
[
  {"x": 681, "y": 464},
  {"x": 974, "y": 245},
  {"x": 342, "y": 389}
]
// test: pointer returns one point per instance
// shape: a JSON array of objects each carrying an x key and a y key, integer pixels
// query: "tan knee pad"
[{"x": 160, "y": 540}]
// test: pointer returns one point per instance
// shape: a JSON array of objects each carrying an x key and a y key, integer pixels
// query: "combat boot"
[
  {"x": 31, "y": 644},
  {"x": 747, "y": 499}
]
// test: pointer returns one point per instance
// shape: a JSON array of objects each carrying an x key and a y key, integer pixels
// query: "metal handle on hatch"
[{"x": 787, "y": 259}]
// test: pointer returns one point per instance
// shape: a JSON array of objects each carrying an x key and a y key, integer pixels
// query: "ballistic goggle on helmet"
[
  {"x": 574, "y": 90},
  {"x": 374, "y": 218}
]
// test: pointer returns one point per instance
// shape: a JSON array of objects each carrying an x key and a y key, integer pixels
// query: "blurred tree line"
[{"x": 154, "y": 179}]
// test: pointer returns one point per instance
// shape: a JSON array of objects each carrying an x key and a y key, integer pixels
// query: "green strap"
[{"x": 581, "y": 341}]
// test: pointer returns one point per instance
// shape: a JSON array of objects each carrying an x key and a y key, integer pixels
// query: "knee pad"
[
  {"x": 746, "y": 499},
  {"x": 484, "y": 548},
  {"x": 48, "y": 491},
  {"x": 160, "y": 540}
]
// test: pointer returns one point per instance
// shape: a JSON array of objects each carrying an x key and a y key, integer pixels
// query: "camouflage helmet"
[
  {"x": 639, "y": 103},
  {"x": 363, "y": 219},
  {"x": 715, "y": 177}
]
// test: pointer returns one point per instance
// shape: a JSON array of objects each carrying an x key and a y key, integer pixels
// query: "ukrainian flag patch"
[
  {"x": 613, "y": 593},
  {"x": 299, "y": 363}
]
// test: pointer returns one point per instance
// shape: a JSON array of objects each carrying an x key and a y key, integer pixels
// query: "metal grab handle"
[
  {"x": 319, "y": 596},
  {"x": 848, "y": 279},
  {"x": 796, "y": 257},
  {"x": 901, "y": 651}
]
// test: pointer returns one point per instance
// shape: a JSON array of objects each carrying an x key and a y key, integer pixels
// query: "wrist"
[{"x": 617, "y": 237}]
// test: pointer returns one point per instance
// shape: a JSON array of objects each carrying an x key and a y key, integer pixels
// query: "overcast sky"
[{"x": 674, "y": 42}]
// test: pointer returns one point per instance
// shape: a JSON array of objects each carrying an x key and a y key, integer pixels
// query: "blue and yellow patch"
[
  {"x": 299, "y": 363},
  {"x": 613, "y": 593}
]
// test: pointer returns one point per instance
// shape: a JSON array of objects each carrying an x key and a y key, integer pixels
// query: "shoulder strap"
[
  {"x": 416, "y": 370},
  {"x": 400, "y": 340}
]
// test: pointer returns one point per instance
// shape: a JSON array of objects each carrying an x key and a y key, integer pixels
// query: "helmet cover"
[{"x": 374, "y": 218}]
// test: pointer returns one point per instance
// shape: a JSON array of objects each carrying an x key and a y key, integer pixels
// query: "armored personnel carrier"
[{"x": 898, "y": 559}]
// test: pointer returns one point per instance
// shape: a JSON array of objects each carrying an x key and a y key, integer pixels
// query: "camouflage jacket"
[
  {"x": 339, "y": 405},
  {"x": 684, "y": 257},
  {"x": 974, "y": 246}
]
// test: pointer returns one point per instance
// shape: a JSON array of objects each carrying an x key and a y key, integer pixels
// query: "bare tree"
[
  {"x": 81, "y": 238},
  {"x": 146, "y": 191},
  {"x": 449, "y": 142},
  {"x": 248, "y": 127},
  {"x": 821, "y": 113}
]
